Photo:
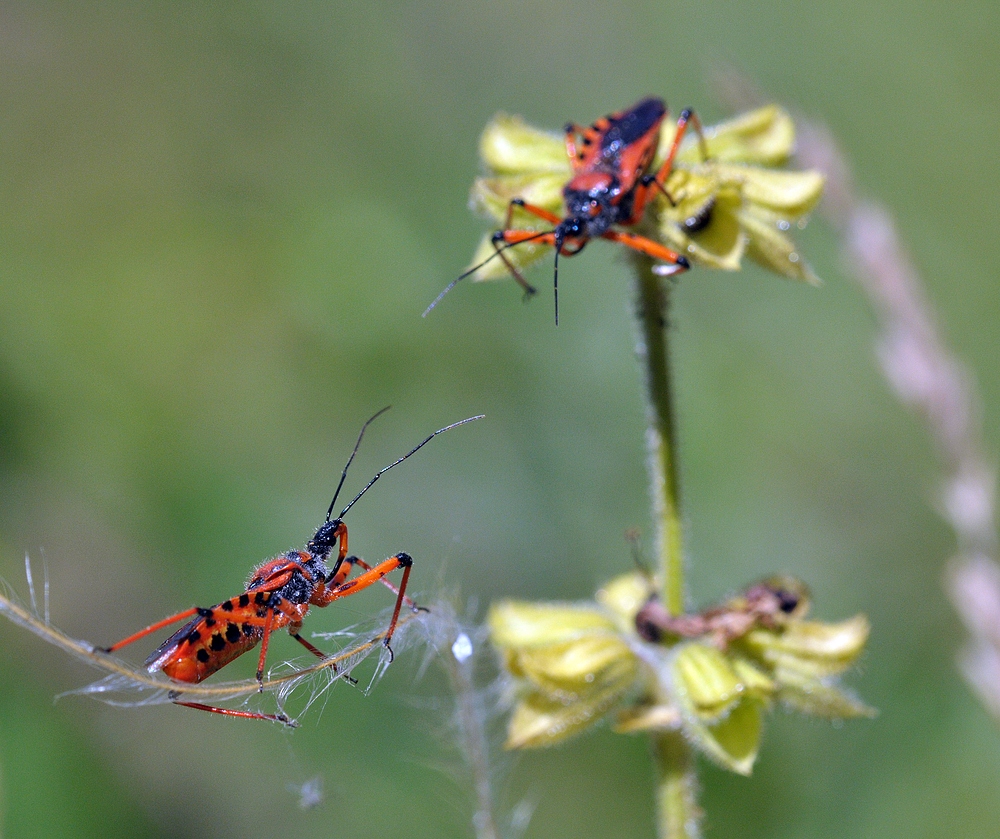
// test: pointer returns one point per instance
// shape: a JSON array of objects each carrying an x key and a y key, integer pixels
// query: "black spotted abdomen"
[{"x": 207, "y": 644}]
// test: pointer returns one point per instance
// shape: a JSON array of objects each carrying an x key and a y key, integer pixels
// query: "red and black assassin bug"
[
  {"x": 278, "y": 594},
  {"x": 610, "y": 187}
]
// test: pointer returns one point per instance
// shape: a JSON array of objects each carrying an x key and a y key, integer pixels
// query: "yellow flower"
[
  {"x": 573, "y": 664},
  {"x": 730, "y": 205},
  {"x": 710, "y": 674}
]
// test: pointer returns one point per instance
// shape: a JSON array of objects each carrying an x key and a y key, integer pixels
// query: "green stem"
[
  {"x": 653, "y": 299},
  {"x": 677, "y": 813}
]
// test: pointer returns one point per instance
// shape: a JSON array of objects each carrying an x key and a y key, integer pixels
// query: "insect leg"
[
  {"x": 400, "y": 560},
  {"x": 341, "y": 530},
  {"x": 293, "y": 630},
  {"x": 356, "y": 560},
  {"x": 659, "y": 180},
  {"x": 280, "y": 612},
  {"x": 506, "y": 236},
  {"x": 545, "y": 237},
  {"x": 534, "y": 209},
  {"x": 247, "y": 715},
  {"x": 572, "y": 131},
  {"x": 268, "y": 621},
  {"x": 516, "y": 237},
  {"x": 687, "y": 117},
  {"x": 155, "y": 627},
  {"x": 650, "y": 248}
]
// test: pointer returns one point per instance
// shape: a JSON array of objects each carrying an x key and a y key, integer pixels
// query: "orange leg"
[
  {"x": 294, "y": 612},
  {"x": 659, "y": 180},
  {"x": 388, "y": 584},
  {"x": 293, "y": 630},
  {"x": 648, "y": 247},
  {"x": 142, "y": 633},
  {"x": 247, "y": 715},
  {"x": 534, "y": 209},
  {"x": 400, "y": 560},
  {"x": 572, "y": 131},
  {"x": 687, "y": 117},
  {"x": 341, "y": 533},
  {"x": 341, "y": 573},
  {"x": 513, "y": 236},
  {"x": 508, "y": 236},
  {"x": 263, "y": 648}
]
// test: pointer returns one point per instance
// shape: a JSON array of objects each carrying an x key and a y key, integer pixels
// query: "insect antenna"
[
  {"x": 414, "y": 450},
  {"x": 343, "y": 475},
  {"x": 474, "y": 268},
  {"x": 555, "y": 277}
]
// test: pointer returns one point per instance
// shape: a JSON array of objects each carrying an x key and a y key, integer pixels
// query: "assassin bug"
[
  {"x": 278, "y": 594},
  {"x": 611, "y": 185}
]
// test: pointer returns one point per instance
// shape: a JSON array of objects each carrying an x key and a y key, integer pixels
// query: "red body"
[
  {"x": 226, "y": 631},
  {"x": 609, "y": 158},
  {"x": 278, "y": 594}
]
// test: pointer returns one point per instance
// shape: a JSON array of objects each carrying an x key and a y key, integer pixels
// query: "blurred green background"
[{"x": 219, "y": 224}]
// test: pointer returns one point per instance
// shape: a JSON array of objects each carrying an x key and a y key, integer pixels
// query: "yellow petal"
[
  {"x": 768, "y": 246},
  {"x": 648, "y": 718},
  {"x": 519, "y": 624},
  {"x": 578, "y": 668},
  {"x": 765, "y": 136},
  {"x": 624, "y": 596},
  {"x": 509, "y": 146},
  {"x": 705, "y": 681},
  {"x": 810, "y": 647},
  {"x": 754, "y": 681},
  {"x": 720, "y": 244},
  {"x": 692, "y": 196},
  {"x": 538, "y": 721},
  {"x": 818, "y": 698},
  {"x": 787, "y": 194},
  {"x": 492, "y": 197}
]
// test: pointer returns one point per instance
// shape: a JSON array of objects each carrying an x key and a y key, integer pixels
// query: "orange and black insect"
[
  {"x": 611, "y": 185},
  {"x": 278, "y": 594}
]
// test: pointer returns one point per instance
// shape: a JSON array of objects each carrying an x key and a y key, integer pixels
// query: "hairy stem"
[
  {"x": 677, "y": 813},
  {"x": 653, "y": 300}
]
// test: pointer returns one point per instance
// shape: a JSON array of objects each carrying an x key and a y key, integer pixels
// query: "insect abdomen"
[{"x": 207, "y": 644}]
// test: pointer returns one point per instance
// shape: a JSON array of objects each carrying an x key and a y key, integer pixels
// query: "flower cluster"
[{"x": 710, "y": 675}]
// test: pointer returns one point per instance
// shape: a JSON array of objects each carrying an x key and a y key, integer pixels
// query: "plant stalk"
[
  {"x": 653, "y": 306},
  {"x": 677, "y": 812},
  {"x": 678, "y": 815}
]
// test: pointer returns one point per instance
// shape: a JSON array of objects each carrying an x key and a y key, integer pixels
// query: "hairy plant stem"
[
  {"x": 653, "y": 300},
  {"x": 677, "y": 811}
]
